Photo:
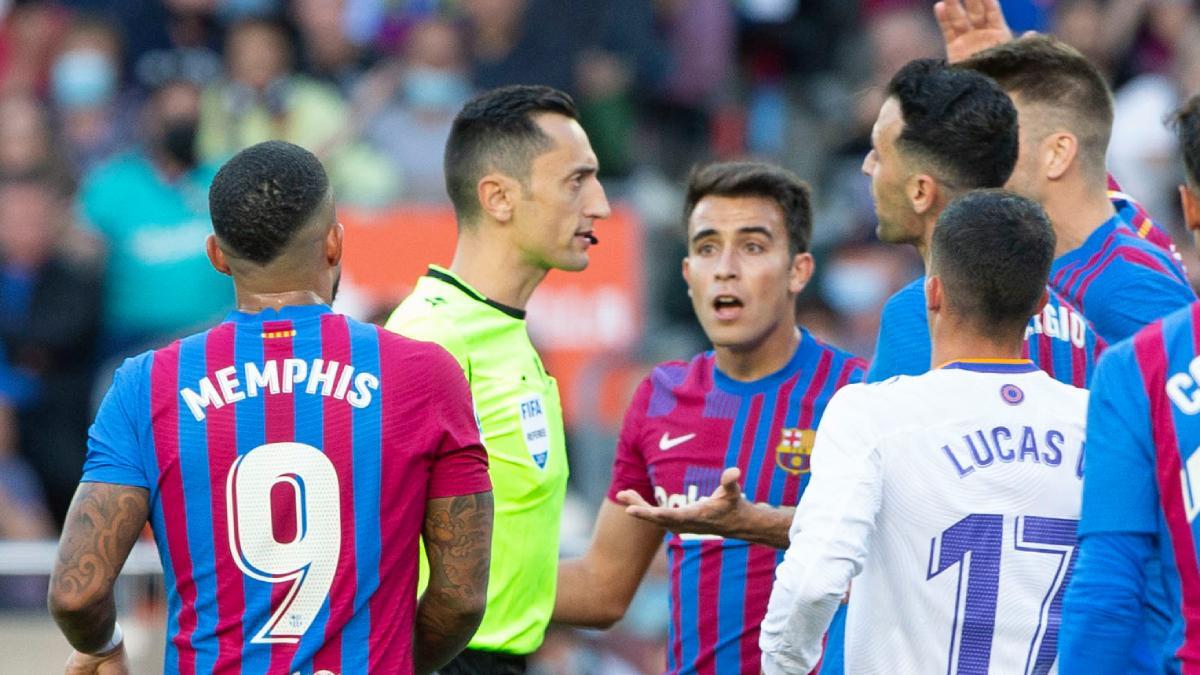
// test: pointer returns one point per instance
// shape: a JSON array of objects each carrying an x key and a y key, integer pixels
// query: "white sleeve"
[{"x": 829, "y": 534}]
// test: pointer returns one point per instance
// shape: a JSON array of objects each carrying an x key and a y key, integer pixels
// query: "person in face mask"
[
  {"x": 95, "y": 115},
  {"x": 150, "y": 207},
  {"x": 419, "y": 95}
]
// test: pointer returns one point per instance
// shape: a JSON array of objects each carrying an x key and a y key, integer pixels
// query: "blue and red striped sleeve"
[
  {"x": 460, "y": 466},
  {"x": 630, "y": 470},
  {"x": 114, "y": 445}
]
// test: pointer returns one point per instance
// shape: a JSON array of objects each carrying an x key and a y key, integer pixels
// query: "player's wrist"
[{"x": 115, "y": 642}]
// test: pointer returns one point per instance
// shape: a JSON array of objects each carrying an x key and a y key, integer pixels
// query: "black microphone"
[{"x": 592, "y": 238}]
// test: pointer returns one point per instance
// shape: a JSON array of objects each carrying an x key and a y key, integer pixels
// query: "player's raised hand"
[
  {"x": 970, "y": 26},
  {"x": 114, "y": 662},
  {"x": 719, "y": 513}
]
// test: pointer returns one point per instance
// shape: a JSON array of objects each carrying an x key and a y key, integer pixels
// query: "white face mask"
[
  {"x": 82, "y": 78},
  {"x": 854, "y": 287}
]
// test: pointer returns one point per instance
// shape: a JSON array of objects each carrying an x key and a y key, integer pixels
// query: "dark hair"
[
  {"x": 1186, "y": 122},
  {"x": 496, "y": 131},
  {"x": 263, "y": 196},
  {"x": 1045, "y": 71},
  {"x": 992, "y": 250},
  {"x": 755, "y": 179},
  {"x": 958, "y": 121}
]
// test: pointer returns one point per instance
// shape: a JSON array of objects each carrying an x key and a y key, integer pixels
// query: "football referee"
[{"x": 521, "y": 175}]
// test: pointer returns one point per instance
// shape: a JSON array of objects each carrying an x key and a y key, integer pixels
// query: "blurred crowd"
[{"x": 114, "y": 115}]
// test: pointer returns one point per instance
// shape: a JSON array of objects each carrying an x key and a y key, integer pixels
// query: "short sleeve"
[
  {"x": 629, "y": 466},
  {"x": 113, "y": 447},
  {"x": 1119, "y": 489},
  {"x": 1133, "y": 300},
  {"x": 902, "y": 347},
  {"x": 460, "y": 464}
]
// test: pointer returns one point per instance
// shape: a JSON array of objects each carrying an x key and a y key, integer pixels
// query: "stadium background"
[{"x": 372, "y": 85}]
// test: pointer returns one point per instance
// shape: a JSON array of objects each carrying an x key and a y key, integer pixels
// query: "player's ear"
[
  {"x": 922, "y": 193},
  {"x": 1059, "y": 151},
  {"x": 1189, "y": 203},
  {"x": 687, "y": 274},
  {"x": 216, "y": 256},
  {"x": 933, "y": 294},
  {"x": 335, "y": 241},
  {"x": 1042, "y": 301},
  {"x": 497, "y": 195},
  {"x": 801, "y": 272}
]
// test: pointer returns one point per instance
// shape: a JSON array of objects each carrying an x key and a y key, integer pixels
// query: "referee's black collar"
[{"x": 443, "y": 275}]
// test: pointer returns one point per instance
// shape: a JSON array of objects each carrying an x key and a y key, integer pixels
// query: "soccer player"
[
  {"x": 746, "y": 408},
  {"x": 952, "y": 497},
  {"x": 521, "y": 175},
  {"x": 943, "y": 131},
  {"x": 1105, "y": 264},
  {"x": 1142, "y": 483},
  {"x": 288, "y": 460}
]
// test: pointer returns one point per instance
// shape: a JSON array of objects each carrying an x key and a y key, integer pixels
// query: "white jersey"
[{"x": 954, "y": 497}]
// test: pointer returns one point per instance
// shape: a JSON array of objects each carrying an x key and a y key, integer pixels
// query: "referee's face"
[{"x": 554, "y": 222}]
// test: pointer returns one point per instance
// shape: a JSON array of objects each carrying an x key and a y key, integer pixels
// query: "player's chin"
[{"x": 576, "y": 261}]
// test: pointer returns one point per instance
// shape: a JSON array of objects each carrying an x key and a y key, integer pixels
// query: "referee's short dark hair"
[
  {"x": 992, "y": 250},
  {"x": 755, "y": 179},
  {"x": 495, "y": 131},
  {"x": 264, "y": 195}
]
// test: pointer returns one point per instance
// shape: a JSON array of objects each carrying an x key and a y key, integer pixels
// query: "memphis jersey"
[
  {"x": 1143, "y": 470},
  {"x": 1120, "y": 280},
  {"x": 954, "y": 496},
  {"x": 281, "y": 451},
  {"x": 688, "y": 422},
  {"x": 1059, "y": 340}
]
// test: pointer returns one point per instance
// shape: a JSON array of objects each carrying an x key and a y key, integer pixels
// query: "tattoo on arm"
[
  {"x": 102, "y": 526},
  {"x": 458, "y": 543}
]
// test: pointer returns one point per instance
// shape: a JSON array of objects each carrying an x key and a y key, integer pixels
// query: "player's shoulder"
[
  {"x": 912, "y": 293},
  {"x": 666, "y": 376},
  {"x": 840, "y": 359}
]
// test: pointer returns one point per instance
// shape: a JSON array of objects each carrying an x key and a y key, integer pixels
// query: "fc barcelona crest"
[{"x": 795, "y": 450}]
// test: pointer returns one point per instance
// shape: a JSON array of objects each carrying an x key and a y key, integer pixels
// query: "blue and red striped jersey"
[
  {"x": 1142, "y": 472},
  {"x": 281, "y": 451},
  {"x": 688, "y": 422},
  {"x": 1120, "y": 278},
  {"x": 1059, "y": 340}
]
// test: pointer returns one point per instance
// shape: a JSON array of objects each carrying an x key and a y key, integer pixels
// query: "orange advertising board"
[{"x": 575, "y": 318}]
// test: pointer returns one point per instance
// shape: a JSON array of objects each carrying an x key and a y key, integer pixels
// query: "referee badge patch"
[
  {"x": 794, "y": 451},
  {"x": 535, "y": 429}
]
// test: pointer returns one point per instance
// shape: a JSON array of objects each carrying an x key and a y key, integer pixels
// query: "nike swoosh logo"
[{"x": 666, "y": 442}]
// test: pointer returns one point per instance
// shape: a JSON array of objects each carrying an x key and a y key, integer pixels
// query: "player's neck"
[
  {"x": 747, "y": 364},
  {"x": 496, "y": 269},
  {"x": 959, "y": 342},
  {"x": 252, "y": 302},
  {"x": 1076, "y": 217}
]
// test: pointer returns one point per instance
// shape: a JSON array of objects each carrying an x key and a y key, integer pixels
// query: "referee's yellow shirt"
[{"x": 520, "y": 416}]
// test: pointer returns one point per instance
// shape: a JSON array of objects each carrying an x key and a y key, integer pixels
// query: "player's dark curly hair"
[
  {"x": 992, "y": 250},
  {"x": 961, "y": 124},
  {"x": 263, "y": 196},
  {"x": 495, "y": 131},
  {"x": 1070, "y": 91},
  {"x": 755, "y": 179},
  {"x": 1186, "y": 122}
]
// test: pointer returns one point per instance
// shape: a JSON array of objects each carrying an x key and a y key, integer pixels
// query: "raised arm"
[
  {"x": 458, "y": 545},
  {"x": 970, "y": 26},
  {"x": 726, "y": 512},
  {"x": 102, "y": 526},
  {"x": 595, "y": 589}
]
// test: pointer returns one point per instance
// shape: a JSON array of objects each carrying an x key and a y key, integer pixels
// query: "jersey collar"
[
  {"x": 446, "y": 276},
  {"x": 991, "y": 365},
  {"x": 288, "y": 313}
]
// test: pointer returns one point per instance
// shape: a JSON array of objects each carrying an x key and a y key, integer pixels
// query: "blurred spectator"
[
  {"x": 1142, "y": 152},
  {"x": 419, "y": 97},
  {"x": 28, "y": 36},
  {"x": 262, "y": 98},
  {"x": 855, "y": 283},
  {"x": 95, "y": 115},
  {"x": 150, "y": 207},
  {"x": 26, "y": 140},
  {"x": 49, "y": 324},
  {"x": 326, "y": 51}
]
